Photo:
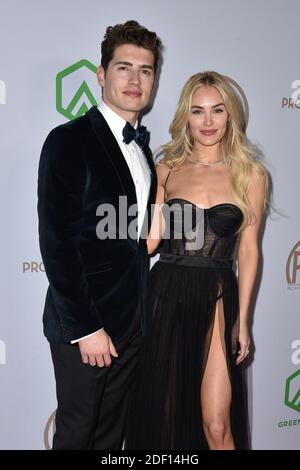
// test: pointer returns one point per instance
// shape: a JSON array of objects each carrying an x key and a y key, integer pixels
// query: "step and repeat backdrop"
[{"x": 49, "y": 51}]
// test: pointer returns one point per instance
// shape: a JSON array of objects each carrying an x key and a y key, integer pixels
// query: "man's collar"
[{"x": 115, "y": 122}]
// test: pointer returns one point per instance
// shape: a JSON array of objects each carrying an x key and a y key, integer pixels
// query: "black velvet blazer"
[{"x": 93, "y": 283}]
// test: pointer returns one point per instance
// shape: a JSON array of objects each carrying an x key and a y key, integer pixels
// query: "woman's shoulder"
[{"x": 162, "y": 170}]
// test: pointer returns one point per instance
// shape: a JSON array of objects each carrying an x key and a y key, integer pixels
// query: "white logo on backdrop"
[
  {"x": 296, "y": 93},
  {"x": 2, "y": 92},
  {"x": 2, "y": 353},
  {"x": 295, "y": 358}
]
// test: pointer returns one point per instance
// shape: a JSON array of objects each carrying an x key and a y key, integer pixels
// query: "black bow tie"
[{"x": 138, "y": 135}]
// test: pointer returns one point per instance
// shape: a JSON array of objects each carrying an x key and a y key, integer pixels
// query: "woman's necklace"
[{"x": 203, "y": 163}]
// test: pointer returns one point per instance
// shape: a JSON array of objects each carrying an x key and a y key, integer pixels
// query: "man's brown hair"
[{"x": 130, "y": 32}]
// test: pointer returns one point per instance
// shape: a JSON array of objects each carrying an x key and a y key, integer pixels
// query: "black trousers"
[{"x": 93, "y": 401}]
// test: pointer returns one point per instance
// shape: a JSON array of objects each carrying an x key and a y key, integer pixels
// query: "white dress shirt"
[{"x": 136, "y": 162}]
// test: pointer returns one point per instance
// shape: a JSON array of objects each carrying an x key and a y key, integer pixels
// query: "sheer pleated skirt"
[{"x": 165, "y": 412}]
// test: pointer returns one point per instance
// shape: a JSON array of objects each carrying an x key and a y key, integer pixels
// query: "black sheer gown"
[{"x": 194, "y": 272}]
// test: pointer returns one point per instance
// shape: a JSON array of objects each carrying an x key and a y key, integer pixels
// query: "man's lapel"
[
  {"x": 113, "y": 153},
  {"x": 152, "y": 192}
]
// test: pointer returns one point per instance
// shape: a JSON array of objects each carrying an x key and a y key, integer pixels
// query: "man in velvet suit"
[{"x": 96, "y": 301}]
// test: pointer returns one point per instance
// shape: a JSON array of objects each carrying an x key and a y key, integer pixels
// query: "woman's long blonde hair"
[{"x": 238, "y": 154}]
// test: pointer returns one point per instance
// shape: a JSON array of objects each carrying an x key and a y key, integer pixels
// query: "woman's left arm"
[{"x": 248, "y": 260}]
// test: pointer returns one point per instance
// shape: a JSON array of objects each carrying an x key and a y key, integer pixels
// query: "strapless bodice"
[{"x": 197, "y": 232}]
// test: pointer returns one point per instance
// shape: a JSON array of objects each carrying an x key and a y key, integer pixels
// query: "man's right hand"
[{"x": 97, "y": 349}]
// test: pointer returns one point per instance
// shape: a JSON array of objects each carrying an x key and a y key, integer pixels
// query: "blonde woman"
[{"x": 212, "y": 194}]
